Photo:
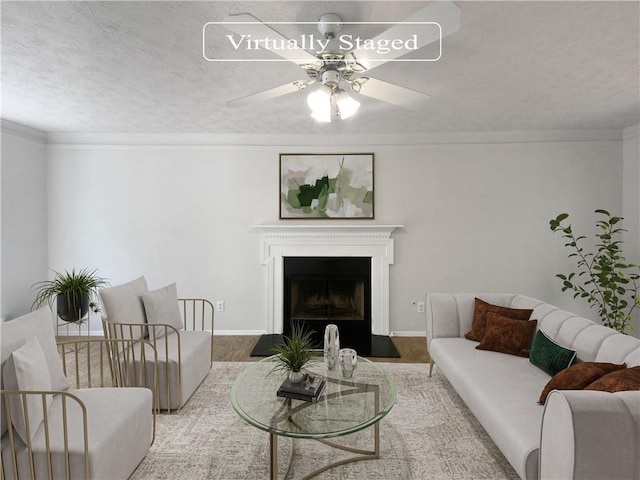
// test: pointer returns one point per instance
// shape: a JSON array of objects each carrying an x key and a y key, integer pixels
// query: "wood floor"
[{"x": 237, "y": 348}]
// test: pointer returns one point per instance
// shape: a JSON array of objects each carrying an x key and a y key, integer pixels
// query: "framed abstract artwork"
[{"x": 326, "y": 185}]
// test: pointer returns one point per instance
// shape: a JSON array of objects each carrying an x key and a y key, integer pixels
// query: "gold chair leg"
[{"x": 431, "y": 363}]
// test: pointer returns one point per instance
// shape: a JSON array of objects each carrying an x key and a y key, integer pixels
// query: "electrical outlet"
[
  {"x": 420, "y": 307},
  {"x": 220, "y": 305}
]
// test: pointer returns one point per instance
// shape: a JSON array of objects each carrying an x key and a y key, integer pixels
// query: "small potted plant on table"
[{"x": 293, "y": 353}]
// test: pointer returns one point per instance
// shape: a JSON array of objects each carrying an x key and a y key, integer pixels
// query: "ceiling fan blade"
[
  {"x": 389, "y": 92},
  {"x": 444, "y": 12},
  {"x": 245, "y": 24},
  {"x": 268, "y": 94}
]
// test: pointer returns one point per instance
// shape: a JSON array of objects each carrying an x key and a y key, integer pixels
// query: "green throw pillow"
[{"x": 548, "y": 356}]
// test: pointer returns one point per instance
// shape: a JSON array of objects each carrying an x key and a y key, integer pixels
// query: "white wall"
[
  {"x": 631, "y": 190},
  {"x": 476, "y": 215},
  {"x": 24, "y": 217},
  {"x": 631, "y": 201}
]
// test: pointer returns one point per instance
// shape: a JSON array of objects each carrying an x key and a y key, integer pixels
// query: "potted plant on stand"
[
  {"x": 74, "y": 293},
  {"x": 293, "y": 353}
]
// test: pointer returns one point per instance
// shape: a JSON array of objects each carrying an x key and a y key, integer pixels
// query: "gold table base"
[{"x": 361, "y": 455}]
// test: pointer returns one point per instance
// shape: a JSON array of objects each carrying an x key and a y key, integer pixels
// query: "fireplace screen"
[
  {"x": 334, "y": 297},
  {"x": 323, "y": 290}
]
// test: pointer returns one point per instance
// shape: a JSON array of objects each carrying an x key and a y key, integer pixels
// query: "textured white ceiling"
[{"x": 138, "y": 67}]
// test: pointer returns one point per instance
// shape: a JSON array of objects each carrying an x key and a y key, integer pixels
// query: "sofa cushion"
[
  {"x": 508, "y": 335},
  {"x": 161, "y": 306},
  {"x": 577, "y": 377},
  {"x": 122, "y": 304},
  {"x": 478, "y": 377},
  {"x": 548, "y": 355},
  {"x": 619, "y": 381},
  {"x": 25, "y": 370},
  {"x": 482, "y": 308},
  {"x": 619, "y": 348}
]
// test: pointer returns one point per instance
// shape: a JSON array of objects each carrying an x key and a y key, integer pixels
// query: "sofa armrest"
[
  {"x": 590, "y": 435},
  {"x": 441, "y": 316},
  {"x": 173, "y": 348},
  {"x": 197, "y": 314}
]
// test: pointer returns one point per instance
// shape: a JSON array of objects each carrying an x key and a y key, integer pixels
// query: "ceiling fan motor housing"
[
  {"x": 329, "y": 25},
  {"x": 331, "y": 78}
]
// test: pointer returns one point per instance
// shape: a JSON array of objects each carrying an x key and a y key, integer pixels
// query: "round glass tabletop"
[{"x": 344, "y": 406}]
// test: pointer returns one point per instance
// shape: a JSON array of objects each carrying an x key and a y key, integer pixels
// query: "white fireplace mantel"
[{"x": 374, "y": 241}]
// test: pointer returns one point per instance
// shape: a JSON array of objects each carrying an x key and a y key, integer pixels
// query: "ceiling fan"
[{"x": 334, "y": 67}]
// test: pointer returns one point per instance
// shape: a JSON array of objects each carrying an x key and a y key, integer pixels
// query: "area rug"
[{"x": 429, "y": 434}]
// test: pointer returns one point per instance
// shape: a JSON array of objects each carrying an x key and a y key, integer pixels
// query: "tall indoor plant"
[
  {"x": 603, "y": 276},
  {"x": 74, "y": 292}
]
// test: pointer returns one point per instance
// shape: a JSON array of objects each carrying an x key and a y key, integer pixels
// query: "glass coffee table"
[{"x": 345, "y": 406}]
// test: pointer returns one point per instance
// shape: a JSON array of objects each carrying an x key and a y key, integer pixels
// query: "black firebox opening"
[{"x": 323, "y": 290}]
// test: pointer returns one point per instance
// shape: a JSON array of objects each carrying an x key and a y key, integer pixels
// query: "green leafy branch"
[{"x": 604, "y": 278}]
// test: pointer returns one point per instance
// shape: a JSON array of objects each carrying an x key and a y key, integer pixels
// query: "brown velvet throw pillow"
[
  {"x": 482, "y": 308},
  {"x": 508, "y": 335},
  {"x": 625, "y": 379},
  {"x": 577, "y": 377}
]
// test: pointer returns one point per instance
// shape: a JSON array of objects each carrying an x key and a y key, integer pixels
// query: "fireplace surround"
[{"x": 335, "y": 240}]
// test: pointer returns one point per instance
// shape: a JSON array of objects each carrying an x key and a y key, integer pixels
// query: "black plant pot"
[{"x": 72, "y": 313}]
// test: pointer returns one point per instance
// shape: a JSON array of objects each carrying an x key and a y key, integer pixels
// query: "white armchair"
[
  {"x": 181, "y": 331},
  {"x": 93, "y": 429}
]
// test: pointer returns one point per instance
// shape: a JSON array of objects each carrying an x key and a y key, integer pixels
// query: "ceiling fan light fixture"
[
  {"x": 318, "y": 99},
  {"x": 347, "y": 105},
  {"x": 323, "y": 116},
  {"x": 319, "y": 102}
]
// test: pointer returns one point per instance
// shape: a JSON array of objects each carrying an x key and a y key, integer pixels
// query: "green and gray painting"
[{"x": 326, "y": 186}]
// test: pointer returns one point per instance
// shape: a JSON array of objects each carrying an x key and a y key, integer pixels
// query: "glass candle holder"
[{"x": 348, "y": 359}]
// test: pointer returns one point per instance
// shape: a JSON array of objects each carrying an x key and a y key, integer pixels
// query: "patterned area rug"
[{"x": 429, "y": 434}]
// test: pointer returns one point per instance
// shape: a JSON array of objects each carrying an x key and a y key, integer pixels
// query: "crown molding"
[
  {"x": 23, "y": 131},
  {"x": 370, "y": 140}
]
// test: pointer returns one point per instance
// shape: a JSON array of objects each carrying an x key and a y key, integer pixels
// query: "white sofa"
[{"x": 577, "y": 434}]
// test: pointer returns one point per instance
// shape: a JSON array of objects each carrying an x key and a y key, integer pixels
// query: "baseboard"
[
  {"x": 84, "y": 333},
  {"x": 408, "y": 333},
  {"x": 238, "y": 332}
]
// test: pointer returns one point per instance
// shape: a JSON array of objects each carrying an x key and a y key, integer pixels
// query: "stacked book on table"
[{"x": 308, "y": 390}]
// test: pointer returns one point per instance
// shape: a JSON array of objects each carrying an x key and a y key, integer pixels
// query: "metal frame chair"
[
  {"x": 198, "y": 316},
  {"x": 87, "y": 365}
]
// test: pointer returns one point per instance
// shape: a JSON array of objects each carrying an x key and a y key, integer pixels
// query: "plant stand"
[{"x": 66, "y": 330}]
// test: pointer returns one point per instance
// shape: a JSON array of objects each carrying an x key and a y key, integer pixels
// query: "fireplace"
[
  {"x": 372, "y": 241},
  {"x": 319, "y": 291}
]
